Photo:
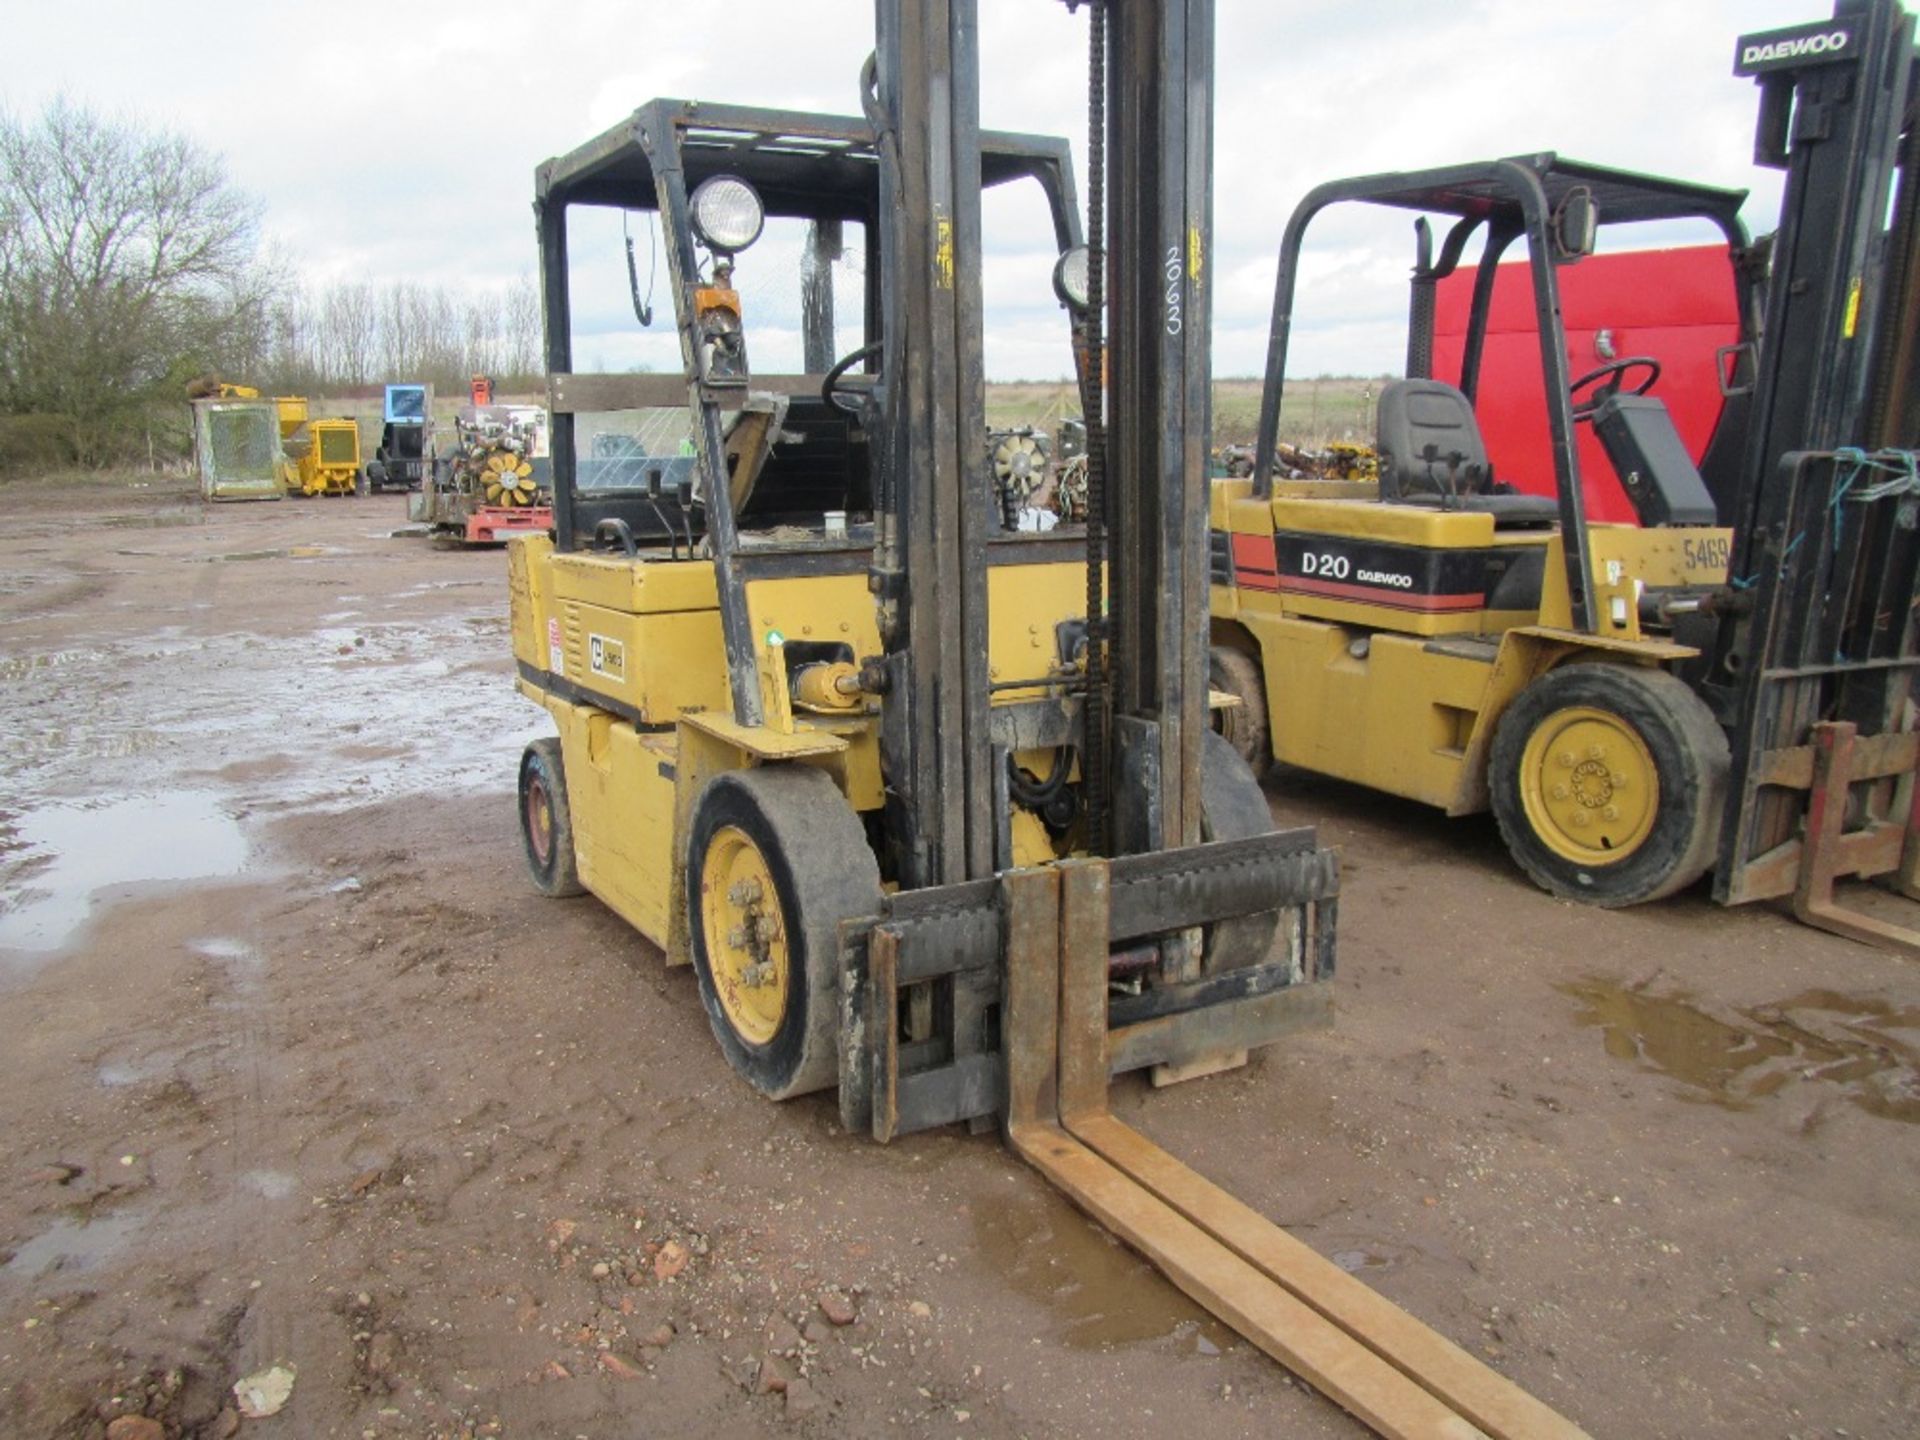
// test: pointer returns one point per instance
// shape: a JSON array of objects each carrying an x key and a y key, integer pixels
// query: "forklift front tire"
[
  {"x": 1234, "y": 807},
  {"x": 776, "y": 859},
  {"x": 546, "y": 821},
  {"x": 1608, "y": 783},
  {"x": 1245, "y": 726}
]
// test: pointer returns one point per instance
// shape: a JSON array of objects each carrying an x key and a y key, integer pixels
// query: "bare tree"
[
  {"x": 485, "y": 339},
  {"x": 341, "y": 337},
  {"x": 344, "y": 335},
  {"x": 289, "y": 359},
  {"x": 526, "y": 337},
  {"x": 353, "y": 332},
  {"x": 129, "y": 263}
]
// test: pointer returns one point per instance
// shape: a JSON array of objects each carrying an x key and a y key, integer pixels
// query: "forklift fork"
[
  {"x": 1385, "y": 1367},
  {"x": 1829, "y": 852}
]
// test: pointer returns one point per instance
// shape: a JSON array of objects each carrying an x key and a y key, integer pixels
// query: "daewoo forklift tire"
[
  {"x": 1233, "y": 807},
  {"x": 1246, "y": 726},
  {"x": 1608, "y": 782},
  {"x": 546, "y": 821},
  {"x": 776, "y": 859}
]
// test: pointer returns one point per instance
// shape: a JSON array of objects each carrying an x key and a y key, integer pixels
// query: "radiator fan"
[
  {"x": 1019, "y": 462},
  {"x": 507, "y": 479}
]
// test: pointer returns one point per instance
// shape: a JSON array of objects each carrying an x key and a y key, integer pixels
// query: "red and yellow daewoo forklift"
[{"x": 1723, "y": 687}]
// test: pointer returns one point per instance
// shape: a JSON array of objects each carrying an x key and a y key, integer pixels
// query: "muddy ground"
[{"x": 297, "y": 1068}]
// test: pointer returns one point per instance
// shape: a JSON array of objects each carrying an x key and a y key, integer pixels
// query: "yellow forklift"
[
  {"x": 1638, "y": 705},
  {"x": 930, "y": 802}
]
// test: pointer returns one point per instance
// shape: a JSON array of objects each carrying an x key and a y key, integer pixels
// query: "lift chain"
[{"x": 1095, "y": 753}]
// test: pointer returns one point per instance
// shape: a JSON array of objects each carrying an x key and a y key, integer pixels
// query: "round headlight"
[
  {"x": 727, "y": 214},
  {"x": 1070, "y": 278}
]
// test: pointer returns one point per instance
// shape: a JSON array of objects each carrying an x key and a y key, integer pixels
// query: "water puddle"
[
  {"x": 73, "y": 1245},
  {"x": 245, "y": 970},
  {"x": 59, "y": 859},
  {"x": 1367, "y": 1257},
  {"x": 289, "y": 552},
  {"x": 163, "y": 520},
  {"x": 237, "y": 953},
  {"x": 98, "y": 743},
  {"x": 19, "y": 667},
  {"x": 328, "y": 719},
  {"x": 1102, "y": 1293},
  {"x": 1740, "y": 1056},
  {"x": 117, "y": 1076},
  {"x": 269, "y": 1184}
]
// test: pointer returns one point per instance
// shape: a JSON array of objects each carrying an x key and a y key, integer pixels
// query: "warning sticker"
[{"x": 556, "y": 652}]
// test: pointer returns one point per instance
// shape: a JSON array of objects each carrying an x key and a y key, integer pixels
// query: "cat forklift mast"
[
  {"x": 1638, "y": 705},
  {"x": 931, "y": 806}
]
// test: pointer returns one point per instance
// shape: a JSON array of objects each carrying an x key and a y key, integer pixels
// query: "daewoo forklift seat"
[{"x": 1431, "y": 453}]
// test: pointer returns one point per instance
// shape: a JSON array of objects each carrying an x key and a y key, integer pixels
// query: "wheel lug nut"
[
  {"x": 1581, "y": 819},
  {"x": 1566, "y": 759},
  {"x": 1596, "y": 752},
  {"x": 1560, "y": 792},
  {"x": 1610, "y": 812},
  {"x": 1619, "y": 780}
]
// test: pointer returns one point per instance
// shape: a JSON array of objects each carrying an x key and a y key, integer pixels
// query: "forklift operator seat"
[{"x": 1431, "y": 453}]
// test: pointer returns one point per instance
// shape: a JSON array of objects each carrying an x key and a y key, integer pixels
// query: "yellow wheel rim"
[
  {"x": 1589, "y": 785},
  {"x": 745, "y": 935}
]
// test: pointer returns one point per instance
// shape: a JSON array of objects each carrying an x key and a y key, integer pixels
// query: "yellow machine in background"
[
  {"x": 310, "y": 457},
  {"x": 322, "y": 456}
]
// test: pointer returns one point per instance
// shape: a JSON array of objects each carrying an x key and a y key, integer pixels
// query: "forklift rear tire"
[
  {"x": 1608, "y": 783},
  {"x": 546, "y": 821},
  {"x": 1245, "y": 725},
  {"x": 776, "y": 859},
  {"x": 1233, "y": 807}
]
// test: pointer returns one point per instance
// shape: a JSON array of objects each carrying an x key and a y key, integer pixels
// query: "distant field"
[{"x": 1316, "y": 411}]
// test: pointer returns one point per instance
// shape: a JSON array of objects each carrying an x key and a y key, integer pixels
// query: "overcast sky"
[{"x": 398, "y": 141}]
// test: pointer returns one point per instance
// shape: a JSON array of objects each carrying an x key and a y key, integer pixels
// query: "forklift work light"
[
  {"x": 1070, "y": 278},
  {"x": 727, "y": 214}
]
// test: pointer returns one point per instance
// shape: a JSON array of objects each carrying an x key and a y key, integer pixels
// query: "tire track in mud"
[{"x": 246, "y": 1181}]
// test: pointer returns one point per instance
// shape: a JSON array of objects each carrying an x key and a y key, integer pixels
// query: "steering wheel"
[
  {"x": 1615, "y": 370},
  {"x": 847, "y": 393}
]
